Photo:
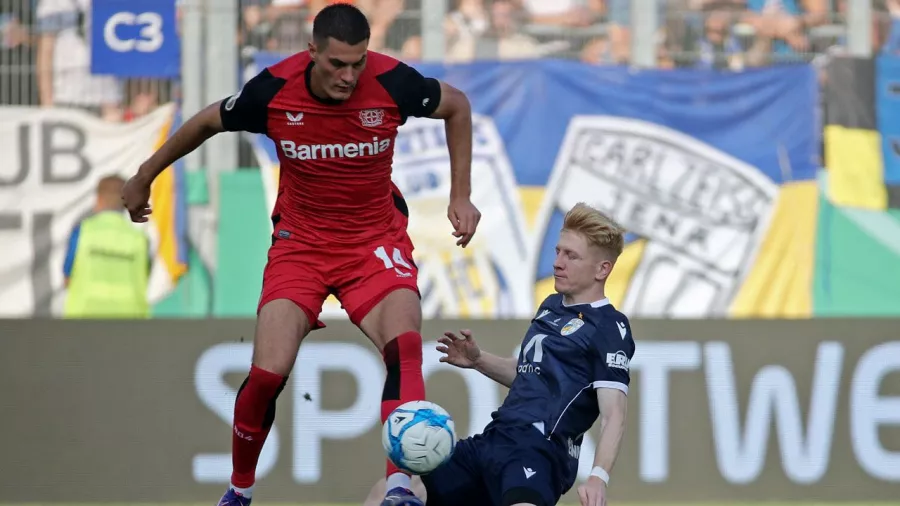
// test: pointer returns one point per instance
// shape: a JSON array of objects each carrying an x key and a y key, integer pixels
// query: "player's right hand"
[
  {"x": 464, "y": 217},
  {"x": 461, "y": 352},
  {"x": 136, "y": 198}
]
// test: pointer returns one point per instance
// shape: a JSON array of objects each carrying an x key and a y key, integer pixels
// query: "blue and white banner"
[
  {"x": 692, "y": 163},
  {"x": 135, "y": 38}
]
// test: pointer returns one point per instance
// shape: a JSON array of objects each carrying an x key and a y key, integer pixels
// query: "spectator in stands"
[
  {"x": 465, "y": 24},
  {"x": 598, "y": 51},
  {"x": 718, "y": 48},
  {"x": 563, "y": 13},
  {"x": 64, "y": 61},
  {"x": 883, "y": 34},
  {"x": 254, "y": 24},
  {"x": 17, "y": 53},
  {"x": 892, "y": 42},
  {"x": 289, "y": 25},
  {"x": 478, "y": 32},
  {"x": 685, "y": 28},
  {"x": 285, "y": 25},
  {"x": 563, "y": 26},
  {"x": 781, "y": 26},
  {"x": 619, "y": 16},
  {"x": 107, "y": 266},
  {"x": 142, "y": 97},
  {"x": 393, "y": 31},
  {"x": 410, "y": 50}
]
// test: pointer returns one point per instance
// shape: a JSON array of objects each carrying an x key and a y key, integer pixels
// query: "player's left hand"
[
  {"x": 592, "y": 492},
  {"x": 464, "y": 217}
]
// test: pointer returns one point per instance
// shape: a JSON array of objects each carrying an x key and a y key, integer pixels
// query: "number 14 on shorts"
[{"x": 394, "y": 261}]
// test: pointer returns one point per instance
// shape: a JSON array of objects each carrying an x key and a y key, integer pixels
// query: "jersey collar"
[{"x": 597, "y": 303}]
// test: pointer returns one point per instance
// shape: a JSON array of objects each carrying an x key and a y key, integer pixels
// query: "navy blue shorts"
[{"x": 501, "y": 467}]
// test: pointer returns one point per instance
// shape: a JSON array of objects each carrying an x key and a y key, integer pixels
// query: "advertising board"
[{"x": 744, "y": 410}]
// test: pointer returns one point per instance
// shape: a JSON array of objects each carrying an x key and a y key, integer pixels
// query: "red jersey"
[{"x": 335, "y": 178}]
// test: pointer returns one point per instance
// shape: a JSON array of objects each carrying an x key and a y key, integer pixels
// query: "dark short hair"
[{"x": 342, "y": 22}]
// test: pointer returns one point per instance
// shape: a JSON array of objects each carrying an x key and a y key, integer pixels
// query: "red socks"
[
  {"x": 404, "y": 382},
  {"x": 254, "y": 413},
  {"x": 254, "y": 409}
]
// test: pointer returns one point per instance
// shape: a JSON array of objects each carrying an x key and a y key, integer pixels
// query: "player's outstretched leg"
[
  {"x": 393, "y": 325},
  {"x": 403, "y": 383},
  {"x": 279, "y": 330}
]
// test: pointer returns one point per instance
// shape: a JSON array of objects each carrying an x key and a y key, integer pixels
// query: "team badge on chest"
[
  {"x": 573, "y": 325},
  {"x": 371, "y": 117}
]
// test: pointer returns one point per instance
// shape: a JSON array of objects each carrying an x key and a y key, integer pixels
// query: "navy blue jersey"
[{"x": 567, "y": 353}]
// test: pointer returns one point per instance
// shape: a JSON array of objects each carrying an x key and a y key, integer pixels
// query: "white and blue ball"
[{"x": 419, "y": 436}]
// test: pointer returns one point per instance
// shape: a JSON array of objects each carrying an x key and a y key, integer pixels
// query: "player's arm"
[
  {"x": 193, "y": 133},
  {"x": 245, "y": 111},
  {"x": 612, "y": 353},
  {"x": 500, "y": 369},
  {"x": 426, "y": 97},
  {"x": 613, "y": 411},
  {"x": 456, "y": 111},
  {"x": 464, "y": 352}
]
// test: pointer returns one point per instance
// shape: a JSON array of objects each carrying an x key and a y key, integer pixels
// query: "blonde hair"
[
  {"x": 599, "y": 229},
  {"x": 109, "y": 192}
]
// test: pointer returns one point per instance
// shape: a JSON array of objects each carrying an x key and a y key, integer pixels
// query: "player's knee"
[
  {"x": 393, "y": 313},
  {"x": 520, "y": 496},
  {"x": 281, "y": 327}
]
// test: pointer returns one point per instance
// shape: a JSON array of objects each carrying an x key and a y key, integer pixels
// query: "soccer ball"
[{"x": 419, "y": 436}]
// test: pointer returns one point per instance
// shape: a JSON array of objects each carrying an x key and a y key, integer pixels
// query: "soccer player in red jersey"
[{"x": 340, "y": 225}]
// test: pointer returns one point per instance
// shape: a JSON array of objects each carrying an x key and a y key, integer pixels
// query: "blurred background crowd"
[
  {"x": 691, "y": 33},
  {"x": 44, "y": 54}
]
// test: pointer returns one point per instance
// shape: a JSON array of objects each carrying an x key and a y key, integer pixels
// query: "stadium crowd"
[
  {"x": 44, "y": 55},
  {"x": 693, "y": 33}
]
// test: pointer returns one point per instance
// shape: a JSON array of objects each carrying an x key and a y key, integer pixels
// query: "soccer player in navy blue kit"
[{"x": 571, "y": 370}]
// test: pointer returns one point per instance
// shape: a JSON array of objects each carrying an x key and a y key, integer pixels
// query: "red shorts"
[{"x": 360, "y": 276}]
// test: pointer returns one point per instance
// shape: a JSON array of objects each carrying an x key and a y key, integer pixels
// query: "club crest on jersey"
[
  {"x": 573, "y": 325},
  {"x": 371, "y": 117}
]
